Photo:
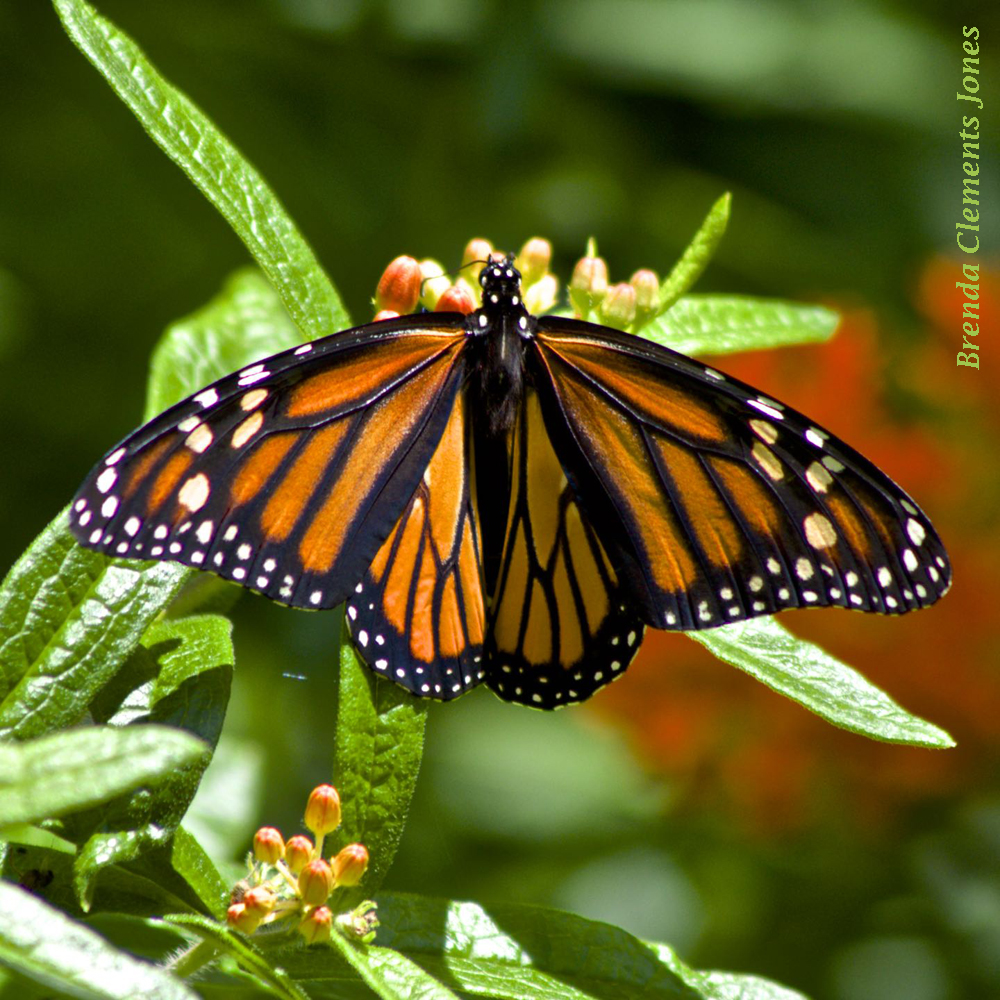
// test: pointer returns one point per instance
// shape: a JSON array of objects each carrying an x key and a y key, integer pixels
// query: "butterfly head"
[{"x": 501, "y": 283}]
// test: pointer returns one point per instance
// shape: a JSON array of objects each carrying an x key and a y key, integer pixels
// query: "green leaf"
[
  {"x": 818, "y": 681},
  {"x": 389, "y": 974},
  {"x": 69, "y": 618},
  {"x": 723, "y": 324},
  {"x": 192, "y": 661},
  {"x": 191, "y": 862},
  {"x": 508, "y": 951},
  {"x": 242, "y": 324},
  {"x": 229, "y": 182},
  {"x": 246, "y": 953},
  {"x": 699, "y": 252},
  {"x": 54, "y": 775},
  {"x": 47, "y": 947},
  {"x": 379, "y": 745},
  {"x": 724, "y": 985}
]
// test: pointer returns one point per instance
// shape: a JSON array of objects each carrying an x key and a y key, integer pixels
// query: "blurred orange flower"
[{"x": 733, "y": 744}]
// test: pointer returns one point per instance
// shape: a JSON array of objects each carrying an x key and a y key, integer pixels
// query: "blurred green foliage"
[{"x": 407, "y": 126}]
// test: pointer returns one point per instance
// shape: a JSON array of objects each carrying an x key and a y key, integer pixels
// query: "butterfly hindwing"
[
  {"x": 418, "y": 616},
  {"x": 559, "y": 628},
  {"x": 286, "y": 476},
  {"x": 727, "y": 504}
]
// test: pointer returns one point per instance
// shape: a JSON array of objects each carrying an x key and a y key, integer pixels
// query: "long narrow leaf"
[
  {"x": 69, "y": 618},
  {"x": 697, "y": 254},
  {"x": 214, "y": 164},
  {"x": 724, "y": 324},
  {"x": 44, "y": 945},
  {"x": 818, "y": 681},
  {"x": 379, "y": 745},
  {"x": 54, "y": 775}
]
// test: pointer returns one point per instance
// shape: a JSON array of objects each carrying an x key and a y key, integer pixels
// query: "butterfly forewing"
[
  {"x": 559, "y": 630},
  {"x": 287, "y": 476},
  {"x": 418, "y": 616},
  {"x": 725, "y": 504}
]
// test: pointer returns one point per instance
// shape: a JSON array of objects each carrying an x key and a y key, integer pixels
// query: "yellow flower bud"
[
  {"x": 350, "y": 865},
  {"x": 323, "y": 810},
  {"x": 315, "y": 926},
  {"x": 298, "y": 853},
  {"x": 268, "y": 845},
  {"x": 315, "y": 882}
]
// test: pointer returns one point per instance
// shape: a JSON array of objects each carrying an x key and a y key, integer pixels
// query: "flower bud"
[
  {"x": 399, "y": 286},
  {"x": 533, "y": 260},
  {"x": 315, "y": 882},
  {"x": 435, "y": 283},
  {"x": 323, "y": 810},
  {"x": 298, "y": 853},
  {"x": 541, "y": 296},
  {"x": 268, "y": 845},
  {"x": 350, "y": 865},
  {"x": 476, "y": 249},
  {"x": 385, "y": 314},
  {"x": 618, "y": 307},
  {"x": 647, "y": 293},
  {"x": 458, "y": 298},
  {"x": 315, "y": 926},
  {"x": 260, "y": 900},
  {"x": 242, "y": 918},
  {"x": 589, "y": 284}
]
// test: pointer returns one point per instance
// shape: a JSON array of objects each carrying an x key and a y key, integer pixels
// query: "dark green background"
[{"x": 407, "y": 127}]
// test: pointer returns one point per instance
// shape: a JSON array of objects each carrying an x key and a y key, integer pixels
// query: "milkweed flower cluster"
[
  {"x": 407, "y": 284},
  {"x": 292, "y": 881}
]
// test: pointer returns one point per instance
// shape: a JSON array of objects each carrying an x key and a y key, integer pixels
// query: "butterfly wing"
[
  {"x": 288, "y": 475},
  {"x": 716, "y": 503},
  {"x": 559, "y": 626},
  {"x": 418, "y": 615}
]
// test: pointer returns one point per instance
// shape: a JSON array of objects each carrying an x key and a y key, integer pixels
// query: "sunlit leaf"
[{"x": 818, "y": 681}]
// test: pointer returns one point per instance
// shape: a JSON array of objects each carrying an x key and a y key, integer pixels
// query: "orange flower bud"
[
  {"x": 589, "y": 284},
  {"x": 476, "y": 249},
  {"x": 315, "y": 927},
  {"x": 399, "y": 286},
  {"x": 242, "y": 918},
  {"x": 260, "y": 900},
  {"x": 647, "y": 293},
  {"x": 315, "y": 882},
  {"x": 533, "y": 260},
  {"x": 350, "y": 865},
  {"x": 298, "y": 853},
  {"x": 458, "y": 298},
  {"x": 323, "y": 810},
  {"x": 268, "y": 845},
  {"x": 385, "y": 314},
  {"x": 618, "y": 307}
]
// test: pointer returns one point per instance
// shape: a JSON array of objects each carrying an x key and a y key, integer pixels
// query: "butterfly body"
[{"x": 509, "y": 499}]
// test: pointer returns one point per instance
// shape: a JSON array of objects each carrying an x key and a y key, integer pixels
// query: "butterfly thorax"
[{"x": 501, "y": 328}]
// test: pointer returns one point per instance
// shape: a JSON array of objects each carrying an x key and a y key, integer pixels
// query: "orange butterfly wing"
[
  {"x": 559, "y": 625},
  {"x": 716, "y": 503},
  {"x": 285, "y": 477}
]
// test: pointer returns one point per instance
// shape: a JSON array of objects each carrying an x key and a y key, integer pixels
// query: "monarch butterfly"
[{"x": 504, "y": 498}]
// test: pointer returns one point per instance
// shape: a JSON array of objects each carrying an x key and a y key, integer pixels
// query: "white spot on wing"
[{"x": 106, "y": 480}]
